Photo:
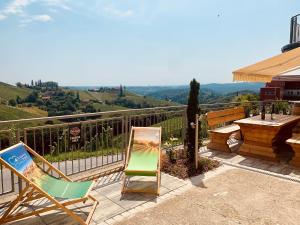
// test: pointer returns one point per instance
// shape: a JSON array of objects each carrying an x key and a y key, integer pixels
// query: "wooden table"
[{"x": 266, "y": 138}]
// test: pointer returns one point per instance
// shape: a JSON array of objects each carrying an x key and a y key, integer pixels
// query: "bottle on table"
[
  {"x": 272, "y": 112},
  {"x": 263, "y": 112}
]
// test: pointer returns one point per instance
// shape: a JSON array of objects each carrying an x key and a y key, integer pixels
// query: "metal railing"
[{"x": 77, "y": 143}]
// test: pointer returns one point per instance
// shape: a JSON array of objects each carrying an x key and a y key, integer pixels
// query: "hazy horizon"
[{"x": 138, "y": 43}]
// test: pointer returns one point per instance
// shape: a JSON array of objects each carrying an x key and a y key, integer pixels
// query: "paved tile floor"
[
  {"x": 111, "y": 203},
  {"x": 114, "y": 207},
  {"x": 281, "y": 169}
]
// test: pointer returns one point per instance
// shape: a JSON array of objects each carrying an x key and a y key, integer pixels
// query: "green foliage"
[
  {"x": 246, "y": 98},
  {"x": 89, "y": 108},
  {"x": 121, "y": 93},
  {"x": 32, "y": 97},
  {"x": 12, "y": 102},
  {"x": 62, "y": 103},
  {"x": 192, "y": 110}
]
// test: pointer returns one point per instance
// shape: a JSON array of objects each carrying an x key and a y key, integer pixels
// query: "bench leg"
[
  {"x": 218, "y": 142},
  {"x": 296, "y": 159}
]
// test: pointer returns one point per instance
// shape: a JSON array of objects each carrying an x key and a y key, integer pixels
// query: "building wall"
[
  {"x": 278, "y": 90},
  {"x": 270, "y": 93}
]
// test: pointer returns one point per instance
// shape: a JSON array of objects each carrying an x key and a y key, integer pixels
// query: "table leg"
[
  {"x": 296, "y": 159},
  {"x": 258, "y": 151}
]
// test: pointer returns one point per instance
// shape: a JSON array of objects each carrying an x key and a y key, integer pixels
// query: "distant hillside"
[
  {"x": 13, "y": 113},
  {"x": 206, "y": 95},
  {"x": 217, "y": 88},
  {"x": 233, "y": 87},
  {"x": 209, "y": 93},
  {"x": 8, "y": 92},
  {"x": 110, "y": 100}
]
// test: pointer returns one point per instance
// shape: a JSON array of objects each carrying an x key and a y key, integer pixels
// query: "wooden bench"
[
  {"x": 220, "y": 135},
  {"x": 294, "y": 142}
]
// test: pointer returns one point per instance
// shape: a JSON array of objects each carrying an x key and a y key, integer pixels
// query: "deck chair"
[
  {"x": 143, "y": 157},
  {"x": 39, "y": 184}
]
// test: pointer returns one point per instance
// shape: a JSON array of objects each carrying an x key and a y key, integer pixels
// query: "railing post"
[
  {"x": 126, "y": 123},
  {"x": 196, "y": 140}
]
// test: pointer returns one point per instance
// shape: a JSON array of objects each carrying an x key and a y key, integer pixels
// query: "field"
[
  {"x": 13, "y": 113},
  {"x": 8, "y": 92},
  {"x": 104, "y": 107},
  {"x": 112, "y": 96},
  {"x": 35, "y": 111}
]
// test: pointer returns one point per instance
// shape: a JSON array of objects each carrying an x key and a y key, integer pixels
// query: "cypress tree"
[{"x": 192, "y": 110}]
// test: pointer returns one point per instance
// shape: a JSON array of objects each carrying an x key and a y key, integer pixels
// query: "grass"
[
  {"x": 35, "y": 111},
  {"x": 80, "y": 154},
  {"x": 111, "y": 96},
  {"x": 152, "y": 101},
  {"x": 13, "y": 113},
  {"x": 104, "y": 107},
  {"x": 97, "y": 96},
  {"x": 8, "y": 91}
]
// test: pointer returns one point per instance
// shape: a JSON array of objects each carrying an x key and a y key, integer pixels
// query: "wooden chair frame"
[
  {"x": 33, "y": 192},
  {"x": 158, "y": 173}
]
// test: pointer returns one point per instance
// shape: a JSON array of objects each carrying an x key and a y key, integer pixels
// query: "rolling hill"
[
  {"x": 61, "y": 101},
  {"x": 222, "y": 89},
  {"x": 14, "y": 113},
  {"x": 110, "y": 100},
  {"x": 8, "y": 92}
]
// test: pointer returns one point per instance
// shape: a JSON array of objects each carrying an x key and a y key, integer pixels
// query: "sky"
[{"x": 138, "y": 42}]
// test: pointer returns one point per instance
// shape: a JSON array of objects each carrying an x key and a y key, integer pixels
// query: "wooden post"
[{"x": 196, "y": 140}]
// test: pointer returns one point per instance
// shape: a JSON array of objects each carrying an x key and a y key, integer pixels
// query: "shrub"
[
  {"x": 183, "y": 169},
  {"x": 12, "y": 102}
]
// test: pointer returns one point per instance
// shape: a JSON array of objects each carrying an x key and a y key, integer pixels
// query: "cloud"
[
  {"x": 42, "y": 18},
  {"x": 113, "y": 11},
  {"x": 18, "y": 8},
  {"x": 58, "y": 4},
  {"x": 2, "y": 17}
]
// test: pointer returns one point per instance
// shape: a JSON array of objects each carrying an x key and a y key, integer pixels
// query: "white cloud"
[
  {"x": 2, "y": 17},
  {"x": 58, "y": 4},
  {"x": 112, "y": 10},
  {"x": 42, "y": 18},
  {"x": 17, "y": 6}
]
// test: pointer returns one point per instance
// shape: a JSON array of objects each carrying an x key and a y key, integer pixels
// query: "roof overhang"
[{"x": 263, "y": 71}]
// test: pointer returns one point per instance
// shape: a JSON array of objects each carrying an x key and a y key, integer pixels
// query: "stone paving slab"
[
  {"x": 281, "y": 168},
  {"x": 112, "y": 205}
]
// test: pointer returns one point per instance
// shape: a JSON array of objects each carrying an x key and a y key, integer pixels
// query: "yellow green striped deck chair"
[
  {"x": 39, "y": 184},
  {"x": 143, "y": 157}
]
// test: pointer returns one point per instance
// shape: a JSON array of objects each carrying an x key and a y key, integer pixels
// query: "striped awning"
[{"x": 265, "y": 70}]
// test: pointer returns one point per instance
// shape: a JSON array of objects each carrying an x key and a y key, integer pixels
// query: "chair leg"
[
  {"x": 158, "y": 183},
  {"x": 14, "y": 204},
  {"x": 124, "y": 184}
]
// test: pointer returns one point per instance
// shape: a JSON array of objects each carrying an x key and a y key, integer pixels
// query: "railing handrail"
[
  {"x": 250, "y": 102},
  {"x": 80, "y": 115},
  {"x": 124, "y": 111}
]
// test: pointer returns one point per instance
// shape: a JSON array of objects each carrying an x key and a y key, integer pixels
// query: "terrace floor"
[
  {"x": 243, "y": 190},
  {"x": 111, "y": 203},
  {"x": 281, "y": 170}
]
